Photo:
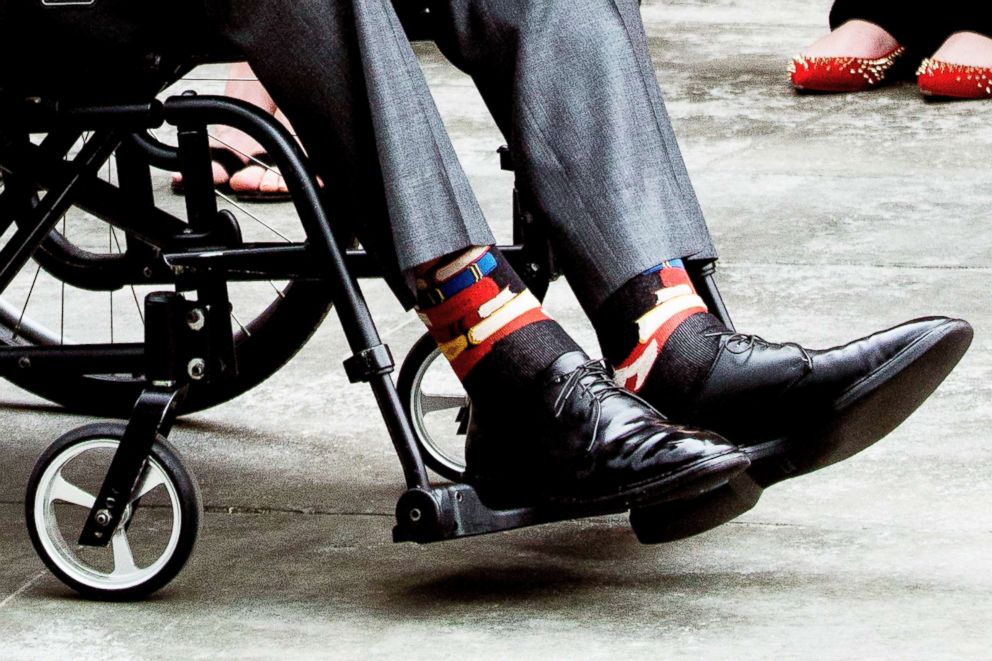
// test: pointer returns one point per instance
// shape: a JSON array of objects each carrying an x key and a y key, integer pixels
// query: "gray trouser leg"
[
  {"x": 570, "y": 84},
  {"x": 345, "y": 75},
  {"x": 572, "y": 87}
]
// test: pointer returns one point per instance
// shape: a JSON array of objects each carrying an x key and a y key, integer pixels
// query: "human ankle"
[
  {"x": 683, "y": 363},
  {"x": 488, "y": 325},
  {"x": 639, "y": 321}
]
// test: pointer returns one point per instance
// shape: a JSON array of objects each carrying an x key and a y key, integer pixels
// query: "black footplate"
[{"x": 455, "y": 511}]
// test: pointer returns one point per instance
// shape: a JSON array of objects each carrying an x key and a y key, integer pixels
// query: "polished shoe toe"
[
  {"x": 759, "y": 391},
  {"x": 841, "y": 402},
  {"x": 904, "y": 365}
]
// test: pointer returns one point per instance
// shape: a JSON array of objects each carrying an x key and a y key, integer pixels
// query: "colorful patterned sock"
[
  {"x": 653, "y": 330},
  {"x": 489, "y": 326}
]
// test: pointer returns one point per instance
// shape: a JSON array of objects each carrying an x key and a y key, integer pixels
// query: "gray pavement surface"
[{"x": 835, "y": 215}]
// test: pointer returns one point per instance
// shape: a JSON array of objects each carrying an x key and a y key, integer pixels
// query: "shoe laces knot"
[
  {"x": 591, "y": 378},
  {"x": 745, "y": 342}
]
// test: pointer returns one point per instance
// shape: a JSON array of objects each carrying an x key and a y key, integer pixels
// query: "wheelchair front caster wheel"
[
  {"x": 155, "y": 537},
  {"x": 437, "y": 406}
]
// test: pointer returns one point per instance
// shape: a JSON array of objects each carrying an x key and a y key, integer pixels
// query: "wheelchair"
[{"x": 110, "y": 507}]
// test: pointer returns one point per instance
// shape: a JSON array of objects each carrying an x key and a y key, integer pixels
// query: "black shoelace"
[
  {"x": 749, "y": 341},
  {"x": 601, "y": 377}
]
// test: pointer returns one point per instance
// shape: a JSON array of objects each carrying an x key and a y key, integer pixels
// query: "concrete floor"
[{"x": 836, "y": 216}]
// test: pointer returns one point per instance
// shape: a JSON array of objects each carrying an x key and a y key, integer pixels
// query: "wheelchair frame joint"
[
  {"x": 173, "y": 339},
  {"x": 369, "y": 363},
  {"x": 154, "y": 414},
  {"x": 456, "y": 510},
  {"x": 424, "y": 516}
]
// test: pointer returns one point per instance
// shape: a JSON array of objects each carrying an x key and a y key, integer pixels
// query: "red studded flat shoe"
[
  {"x": 841, "y": 74},
  {"x": 956, "y": 81}
]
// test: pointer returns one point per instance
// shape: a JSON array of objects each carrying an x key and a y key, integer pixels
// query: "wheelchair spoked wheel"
[
  {"x": 153, "y": 541},
  {"x": 263, "y": 346},
  {"x": 437, "y": 406},
  {"x": 87, "y": 265}
]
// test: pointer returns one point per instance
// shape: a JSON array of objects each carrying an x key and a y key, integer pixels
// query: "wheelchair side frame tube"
[{"x": 356, "y": 320}]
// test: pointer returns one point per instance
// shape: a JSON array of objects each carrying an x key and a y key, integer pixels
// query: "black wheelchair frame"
[{"x": 189, "y": 345}]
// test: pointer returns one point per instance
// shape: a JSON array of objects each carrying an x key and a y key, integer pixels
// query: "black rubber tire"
[
  {"x": 407, "y": 384},
  {"x": 188, "y": 492}
]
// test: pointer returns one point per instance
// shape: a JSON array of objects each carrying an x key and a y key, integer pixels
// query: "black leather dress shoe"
[
  {"x": 795, "y": 410},
  {"x": 804, "y": 409},
  {"x": 583, "y": 441}
]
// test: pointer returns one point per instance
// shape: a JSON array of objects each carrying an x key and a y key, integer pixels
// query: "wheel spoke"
[
  {"x": 151, "y": 479},
  {"x": 431, "y": 403},
  {"x": 253, "y": 216},
  {"x": 251, "y": 161},
  {"x": 62, "y": 318},
  {"x": 20, "y": 320},
  {"x": 123, "y": 559},
  {"x": 240, "y": 325},
  {"x": 65, "y": 233},
  {"x": 68, "y": 492},
  {"x": 110, "y": 250},
  {"x": 134, "y": 294}
]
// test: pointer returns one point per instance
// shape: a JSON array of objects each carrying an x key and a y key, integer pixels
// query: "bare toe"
[{"x": 248, "y": 180}]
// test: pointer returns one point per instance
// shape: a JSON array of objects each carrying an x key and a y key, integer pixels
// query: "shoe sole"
[
  {"x": 688, "y": 482},
  {"x": 262, "y": 197},
  {"x": 678, "y": 519},
  {"x": 870, "y": 409},
  {"x": 863, "y": 415}
]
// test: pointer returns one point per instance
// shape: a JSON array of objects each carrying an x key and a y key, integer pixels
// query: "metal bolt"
[
  {"x": 102, "y": 518},
  {"x": 534, "y": 268},
  {"x": 197, "y": 369},
  {"x": 195, "y": 319},
  {"x": 147, "y": 272},
  {"x": 24, "y": 362},
  {"x": 415, "y": 515}
]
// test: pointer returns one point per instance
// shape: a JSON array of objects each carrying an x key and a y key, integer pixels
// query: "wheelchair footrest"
[{"x": 456, "y": 510}]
